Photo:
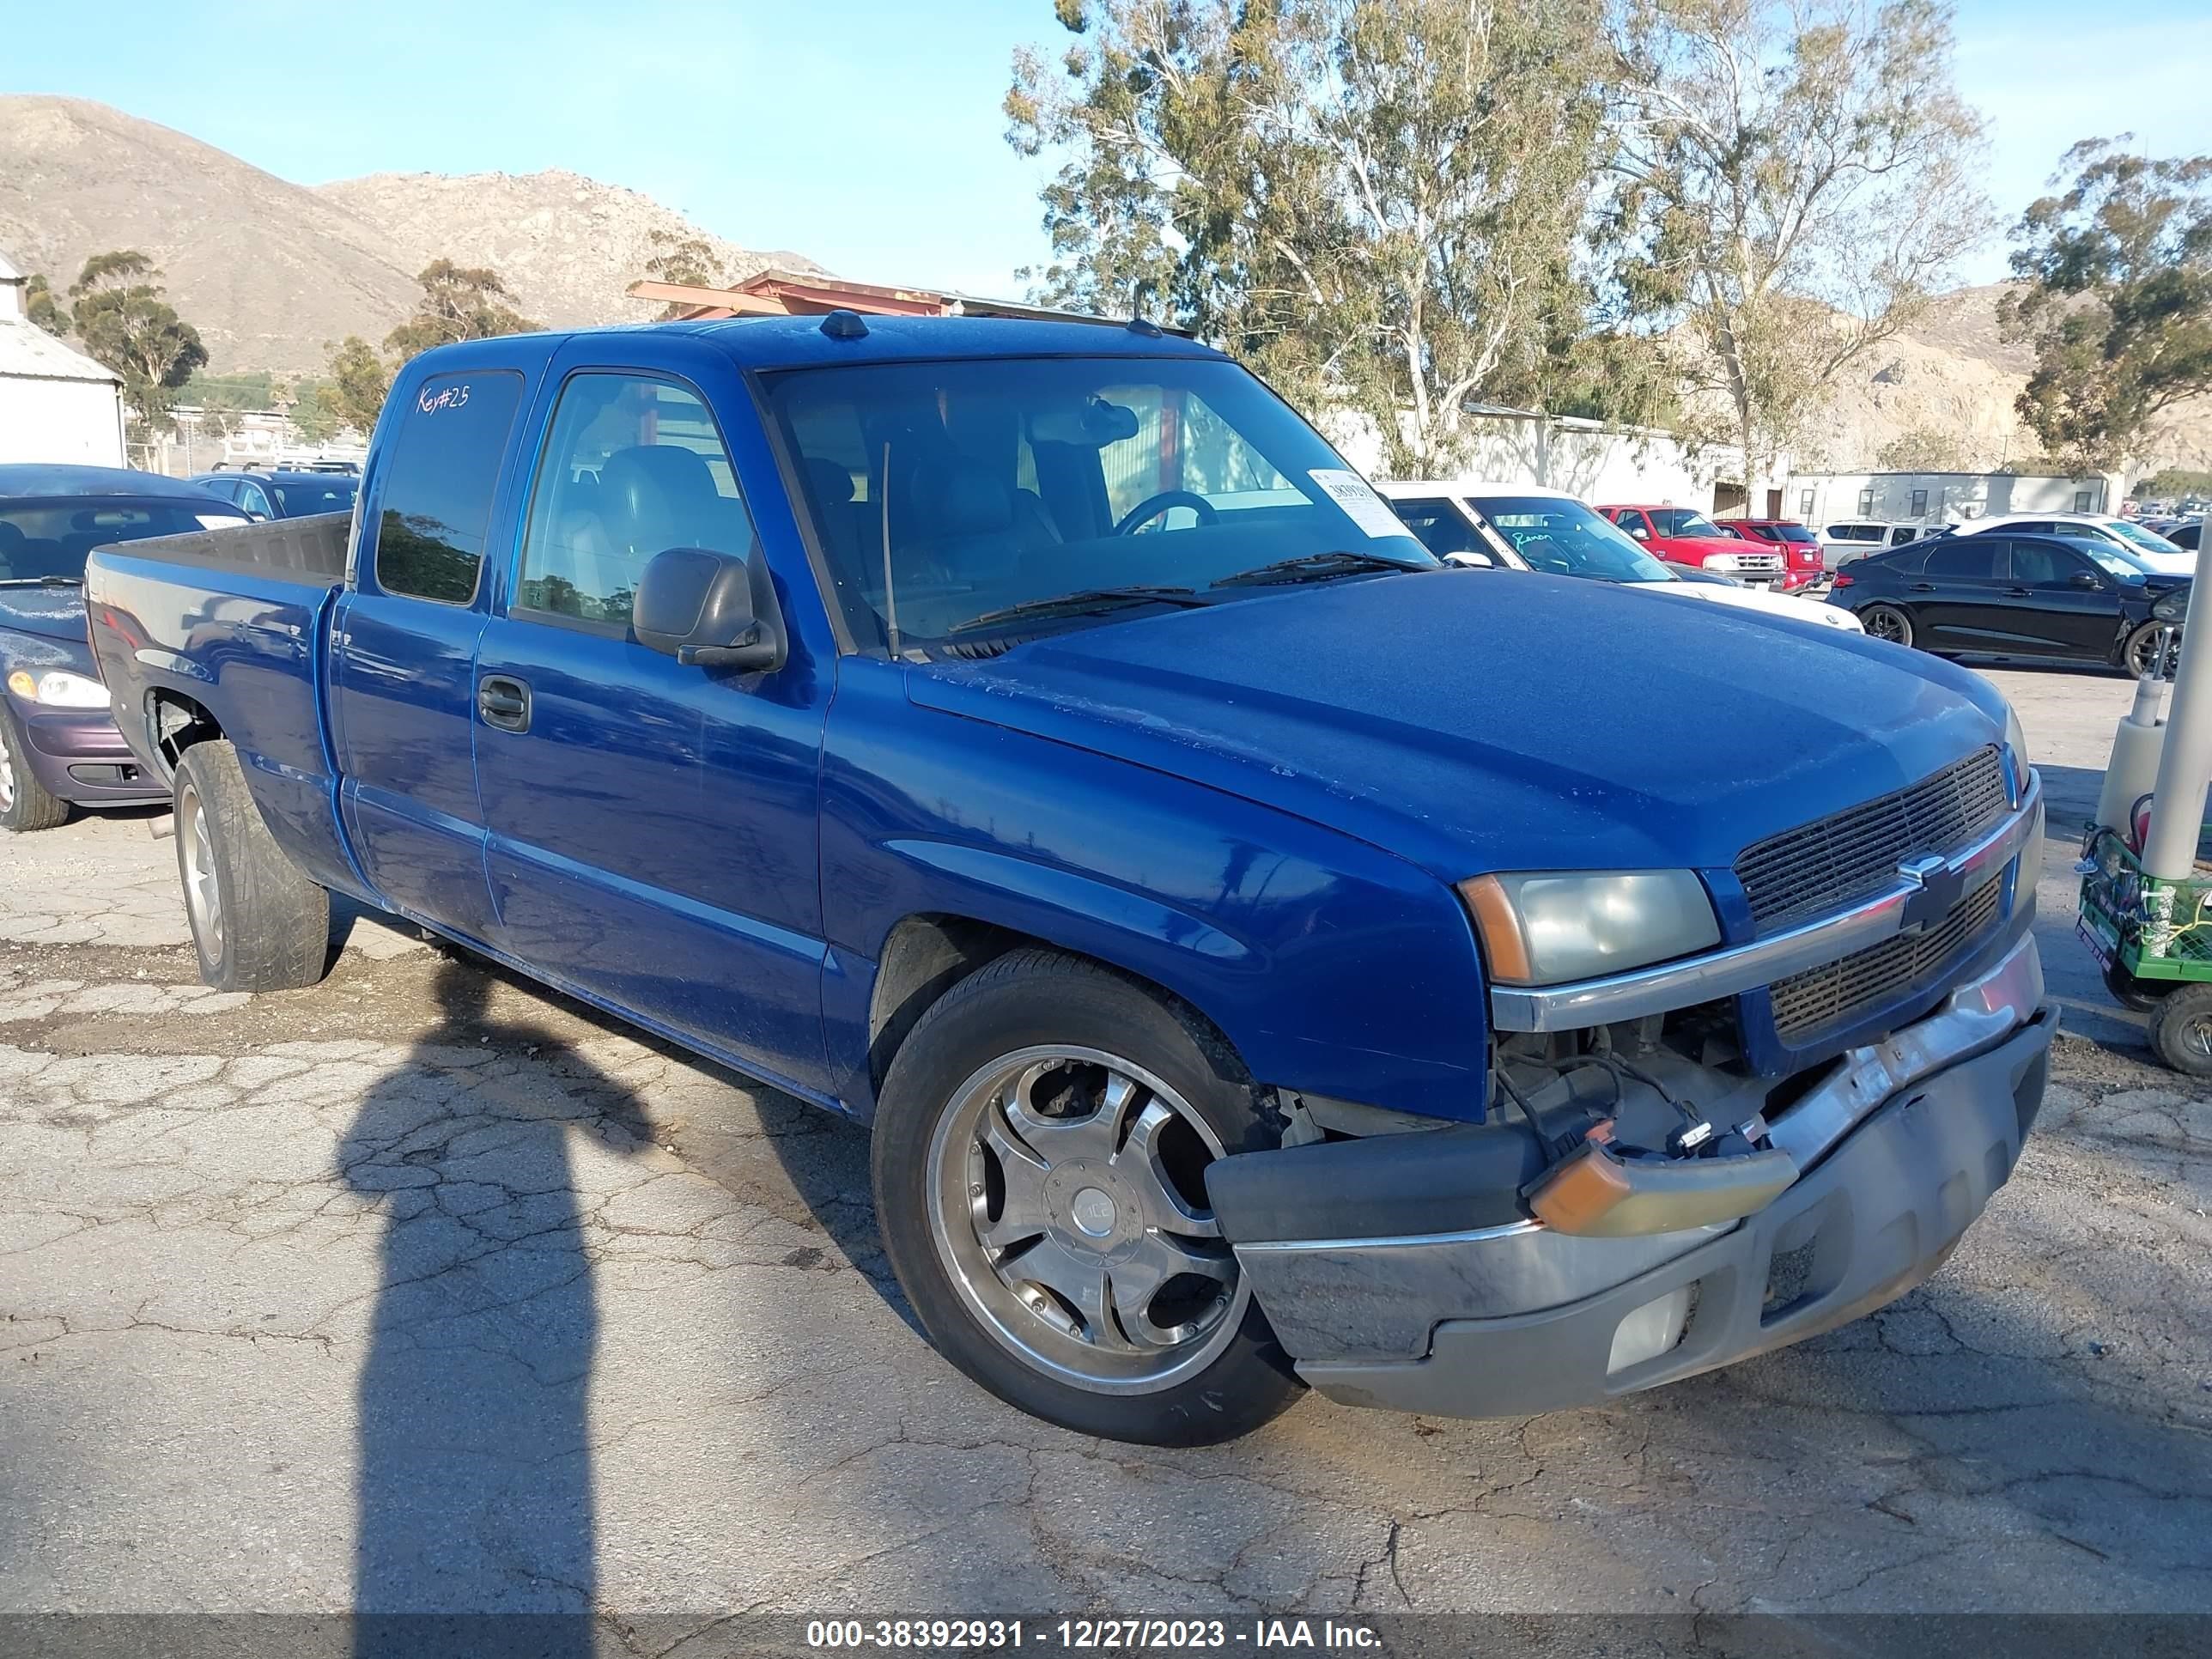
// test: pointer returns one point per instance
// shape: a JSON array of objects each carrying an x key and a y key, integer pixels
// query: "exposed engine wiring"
[{"x": 1535, "y": 1127}]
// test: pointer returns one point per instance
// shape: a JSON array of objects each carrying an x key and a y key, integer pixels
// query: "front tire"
[
  {"x": 1039, "y": 1162},
  {"x": 1886, "y": 622},
  {"x": 258, "y": 924},
  {"x": 25, "y": 803},
  {"x": 2140, "y": 654}
]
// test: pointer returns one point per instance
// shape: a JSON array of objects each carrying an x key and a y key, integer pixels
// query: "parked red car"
[
  {"x": 1805, "y": 563},
  {"x": 1682, "y": 535}
]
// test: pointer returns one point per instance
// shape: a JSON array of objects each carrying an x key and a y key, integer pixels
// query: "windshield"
[
  {"x": 1007, "y": 481},
  {"x": 2149, "y": 540},
  {"x": 1681, "y": 521},
  {"x": 49, "y": 539},
  {"x": 301, "y": 498},
  {"x": 1567, "y": 538},
  {"x": 2115, "y": 560}
]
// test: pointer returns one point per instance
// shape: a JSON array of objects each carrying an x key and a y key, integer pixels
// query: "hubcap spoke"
[
  {"x": 1137, "y": 1279},
  {"x": 1166, "y": 1207},
  {"x": 1023, "y": 1214},
  {"x": 1095, "y": 1134},
  {"x": 1079, "y": 1279}
]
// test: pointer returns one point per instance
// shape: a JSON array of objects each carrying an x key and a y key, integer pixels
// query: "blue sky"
[{"x": 865, "y": 133}]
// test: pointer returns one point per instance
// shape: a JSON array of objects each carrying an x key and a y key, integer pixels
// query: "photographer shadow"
[{"x": 476, "y": 1533}]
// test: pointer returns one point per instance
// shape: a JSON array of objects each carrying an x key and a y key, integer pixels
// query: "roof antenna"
[
  {"x": 891, "y": 595},
  {"x": 844, "y": 325},
  {"x": 1138, "y": 323}
]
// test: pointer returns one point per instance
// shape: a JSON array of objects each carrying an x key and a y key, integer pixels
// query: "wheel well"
[
  {"x": 926, "y": 956},
  {"x": 175, "y": 723}
]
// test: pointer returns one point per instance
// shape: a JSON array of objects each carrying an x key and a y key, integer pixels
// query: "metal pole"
[{"x": 2184, "y": 763}]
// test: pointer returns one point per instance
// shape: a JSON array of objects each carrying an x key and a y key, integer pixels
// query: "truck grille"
[
  {"x": 1820, "y": 868},
  {"x": 1831, "y": 994},
  {"x": 1759, "y": 563}
]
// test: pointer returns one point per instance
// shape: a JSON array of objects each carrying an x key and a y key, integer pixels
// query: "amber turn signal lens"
[
  {"x": 1499, "y": 924},
  {"x": 23, "y": 686},
  {"x": 1596, "y": 1193}
]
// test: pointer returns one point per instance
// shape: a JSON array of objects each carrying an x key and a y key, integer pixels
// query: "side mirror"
[
  {"x": 1469, "y": 559},
  {"x": 2085, "y": 578},
  {"x": 714, "y": 609},
  {"x": 1639, "y": 532}
]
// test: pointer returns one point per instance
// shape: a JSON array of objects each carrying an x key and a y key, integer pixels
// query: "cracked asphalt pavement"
[{"x": 428, "y": 1290}]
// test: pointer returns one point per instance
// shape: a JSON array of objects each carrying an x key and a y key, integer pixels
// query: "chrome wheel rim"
[
  {"x": 2146, "y": 656},
  {"x": 1886, "y": 624},
  {"x": 7, "y": 774},
  {"x": 1066, "y": 1202},
  {"x": 202, "y": 896}
]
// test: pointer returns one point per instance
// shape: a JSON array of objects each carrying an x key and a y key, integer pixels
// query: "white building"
[
  {"x": 1585, "y": 458},
  {"x": 1939, "y": 498},
  {"x": 55, "y": 404}
]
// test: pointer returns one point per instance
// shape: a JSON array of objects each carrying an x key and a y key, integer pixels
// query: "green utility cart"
[{"x": 2154, "y": 940}]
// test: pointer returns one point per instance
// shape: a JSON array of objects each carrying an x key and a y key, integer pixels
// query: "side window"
[
  {"x": 1919, "y": 502},
  {"x": 632, "y": 467},
  {"x": 252, "y": 497},
  {"x": 1866, "y": 502},
  {"x": 1804, "y": 503},
  {"x": 439, "y": 485},
  {"x": 2038, "y": 564},
  {"x": 1439, "y": 524},
  {"x": 1966, "y": 557},
  {"x": 1636, "y": 524},
  {"x": 2083, "y": 500}
]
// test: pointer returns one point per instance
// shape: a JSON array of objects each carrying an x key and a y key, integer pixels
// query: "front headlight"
[
  {"x": 1547, "y": 928},
  {"x": 58, "y": 689}
]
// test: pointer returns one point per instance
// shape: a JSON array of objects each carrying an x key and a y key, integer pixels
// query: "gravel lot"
[{"x": 425, "y": 1289}]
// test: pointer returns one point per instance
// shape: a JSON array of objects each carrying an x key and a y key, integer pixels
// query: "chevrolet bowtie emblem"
[{"x": 1936, "y": 888}]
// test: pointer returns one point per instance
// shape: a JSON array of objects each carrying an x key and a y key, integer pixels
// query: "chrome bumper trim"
[
  {"x": 1974, "y": 1018},
  {"x": 1684, "y": 984}
]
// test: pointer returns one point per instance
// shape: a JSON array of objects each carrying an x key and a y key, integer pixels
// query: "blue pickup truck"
[{"x": 1262, "y": 957}]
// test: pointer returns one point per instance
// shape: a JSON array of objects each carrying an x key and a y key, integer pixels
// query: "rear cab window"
[{"x": 436, "y": 498}]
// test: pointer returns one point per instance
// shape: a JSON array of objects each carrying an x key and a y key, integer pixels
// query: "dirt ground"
[{"x": 425, "y": 1289}]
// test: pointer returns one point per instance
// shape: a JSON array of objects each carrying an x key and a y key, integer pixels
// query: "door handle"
[
  {"x": 1921, "y": 587},
  {"x": 2016, "y": 593},
  {"x": 504, "y": 702}
]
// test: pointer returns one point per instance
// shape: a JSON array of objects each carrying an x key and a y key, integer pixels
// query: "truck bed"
[{"x": 229, "y": 624}]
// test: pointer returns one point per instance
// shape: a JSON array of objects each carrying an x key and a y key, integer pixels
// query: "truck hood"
[{"x": 1473, "y": 721}]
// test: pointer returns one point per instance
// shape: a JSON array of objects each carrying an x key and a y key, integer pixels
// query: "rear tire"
[
  {"x": 2181, "y": 1029},
  {"x": 258, "y": 924},
  {"x": 1886, "y": 622},
  {"x": 25, "y": 803},
  {"x": 1039, "y": 1164}
]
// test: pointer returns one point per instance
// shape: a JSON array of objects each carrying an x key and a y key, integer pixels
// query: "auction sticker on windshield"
[{"x": 1358, "y": 500}]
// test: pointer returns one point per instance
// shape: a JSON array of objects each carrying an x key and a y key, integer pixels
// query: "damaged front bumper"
[{"x": 1902, "y": 1146}]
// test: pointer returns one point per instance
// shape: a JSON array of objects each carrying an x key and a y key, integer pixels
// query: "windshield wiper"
[
  {"x": 41, "y": 581},
  {"x": 1081, "y": 602},
  {"x": 1314, "y": 567}
]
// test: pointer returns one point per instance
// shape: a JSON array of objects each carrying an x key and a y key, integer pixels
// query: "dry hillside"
[
  {"x": 566, "y": 245},
  {"x": 1950, "y": 372},
  {"x": 272, "y": 272},
  {"x": 266, "y": 269}
]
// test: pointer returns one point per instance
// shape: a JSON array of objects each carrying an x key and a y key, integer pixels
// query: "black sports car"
[{"x": 2063, "y": 597}]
